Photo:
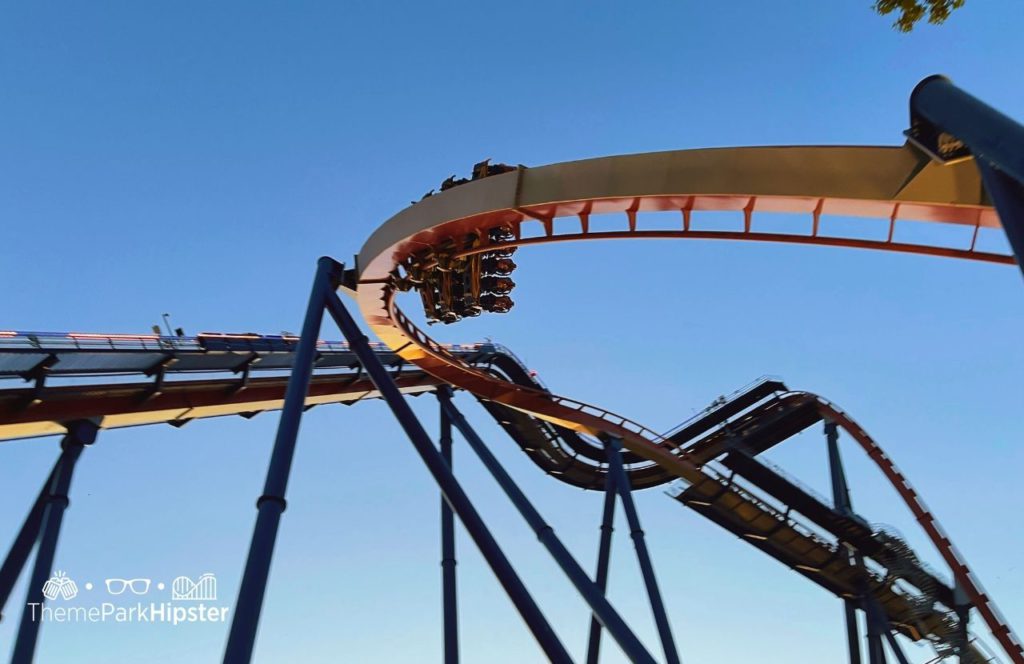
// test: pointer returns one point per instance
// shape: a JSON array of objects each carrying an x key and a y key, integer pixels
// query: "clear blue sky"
[{"x": 196, "y": 158}]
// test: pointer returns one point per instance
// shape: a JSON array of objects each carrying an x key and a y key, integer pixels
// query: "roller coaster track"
[
  {"x": 132, "y": 380},
  {"x": 898, "y": 185},
  {"x": 711, "y": 461},
  {"x": 750, "y": 421}
]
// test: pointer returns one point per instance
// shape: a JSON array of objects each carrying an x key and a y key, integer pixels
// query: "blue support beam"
[
  {"x": 877, "y": 616},
  {"x": 988, "y": 134},
  {"x": 877, "y": 623},
  {"x": 963, "y": 613},
  {"x": 613, "y": 445},
  {"x": 27, "y": 537},
  {"x": 450, "y": 487},
  {"x": 949, "y": 123},
  {"x": 841, "y": 501},
  {"x": 1007, "y": 196},
  {"x": 604, "y": 554},
  {"x": 591, "y": 593},
  {"x": 876, "y": 650},
  {"x": 448, "y": 562},
  {"x": 270, "y": 506},
  {"x": 844, "y": 505},
  {"x": 80, "y": 434}
]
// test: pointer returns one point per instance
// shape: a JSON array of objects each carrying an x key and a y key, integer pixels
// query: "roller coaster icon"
[
  {"x": 962, "y": 167},
  {"x": 202, "y": 589}
]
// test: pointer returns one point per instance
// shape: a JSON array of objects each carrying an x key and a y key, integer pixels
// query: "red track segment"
[
  {"x": 888, "y": 183},
  {"x": 988, "y": 610}
]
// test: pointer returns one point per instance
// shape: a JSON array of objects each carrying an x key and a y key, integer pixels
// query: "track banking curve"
[{"x": 899, "y": 185}]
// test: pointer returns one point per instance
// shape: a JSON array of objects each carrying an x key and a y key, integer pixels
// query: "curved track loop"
[{"x": 891, "y": 183}]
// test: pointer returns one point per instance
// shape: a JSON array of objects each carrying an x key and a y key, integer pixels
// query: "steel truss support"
[
  {"x": 46, "y": 518},
  {"x": 877, "y": 624},
  {"x": 448, "y": 562},
  {"x": 250, "y": 598},
  {"x": 591, "y": 593},
  {"x": 604, "y": 554},
  {"x": 613, "y": 447}
]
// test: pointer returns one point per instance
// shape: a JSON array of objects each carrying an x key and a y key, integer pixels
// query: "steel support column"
[
  {"x": 894, "y": 644},
  {"x": 995, "y": 140},
  {"x": 270, "y": 506},
  {"x": 882, "y": 625},
  {"x": 1008, "y": 197},
  {"x": 963, "y": 614},
  {"x": 80, "y": 434},
  {"x": 604, "y": 553},
  {"x": 450, "y": 487},
  {"x": 876, "y": 651},
  {"x": 591, "y": 593},
  {"x": 20, "y": 550},
  {"x": 448, "y": 592},
  {"x": 989, "y": 135},
  {"x": 613, "y": 445},
  {"x": 877, "y": 624},
  {"x": 841, "y": 501}
]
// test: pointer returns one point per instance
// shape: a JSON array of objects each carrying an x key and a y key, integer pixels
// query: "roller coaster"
[{"x": 962, "y": 166}]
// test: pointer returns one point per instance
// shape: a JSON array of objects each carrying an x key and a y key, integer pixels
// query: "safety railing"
[
  {"x": 88, "y": 341},
  {"x": 719, "y": 402}
]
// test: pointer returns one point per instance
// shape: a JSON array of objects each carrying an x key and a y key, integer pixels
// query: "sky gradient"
[{"x": 196, "y": 158}]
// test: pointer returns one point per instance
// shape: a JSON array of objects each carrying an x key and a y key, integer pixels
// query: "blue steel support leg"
[
  {"x": 450, "y": 487},
  {"x": 876, "y": 652},
  {"x": 271, "y": 504},
  {"x": 882, "y": 625},
  {"x": 613, "y": 446},
  {"x": 877, "y": 625},
  {"x": 989, "y": 135},
  {"x": 1008, "y": 197},
  {"x": 841, "y": 501},
  {"x": 995, "y": 140},
  {"x": 963, "y": 613},
  {"x": 591, "y": 593},
  {"x": 852, "y": 630},
  {"x": 14, "y": 563},
  {"x": 604, "y": 554},
  {"x": 894, "y": 645},
  {"x": 79, "y": 435},
  {"x": 449, "y": 595}
]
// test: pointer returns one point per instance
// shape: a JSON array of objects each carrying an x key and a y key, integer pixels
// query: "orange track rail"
[{"x": 894, "y": 184}]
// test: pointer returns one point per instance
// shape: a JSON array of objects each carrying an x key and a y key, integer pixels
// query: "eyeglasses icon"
[{"x": 118, "y": 586}]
